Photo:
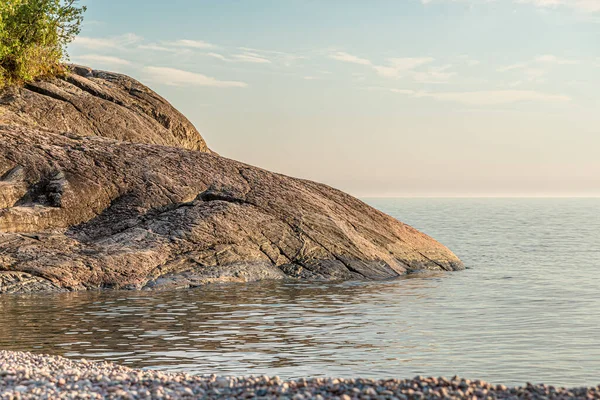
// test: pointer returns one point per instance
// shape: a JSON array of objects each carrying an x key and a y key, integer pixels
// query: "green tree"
[{"x": 33, "y": 37}]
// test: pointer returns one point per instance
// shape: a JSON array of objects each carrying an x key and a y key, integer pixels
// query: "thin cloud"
[
  {"x": 400, "y": 66},
  {"x": 552, "y": 59},
  {"x": 187, "y": 46},
  {"x": 217, "y": 56},
  {"x": 349, "y": 58},
  {"x": 407, "y": 92},
  {"x": 289, "y": 59},
  {"x": 244, "y": 58},
  {"x": 587, "y": 6},
  {"x": 534, "y": 70},
  {"x": 528, "y": 73},
  {"x": 406, "y": 64},
  {"x": 256, "y": 56},
  {"x": 468, "y": 60},
  {"x": 497, "y": 97},
  {"x": 177, "y": 46},
  {"x": 590, "y": 6},
  {"x": 157, "y": 47},
  {"x": 178, "y": 77},
  {"x": 101, "y": 59},
  {"x": 396, "y": 67},
  {"x": 255, "y": 50},
  {"x": 513, "y": 67},
  {"x": 434, "y": 74},
  {"x": 275, "y": 56},
  {"x": 487, "y": 97},
  {"x": 251, "y": 58},
  {"x": 193, "y": 44},
  {"x": 114, "y": 42}
]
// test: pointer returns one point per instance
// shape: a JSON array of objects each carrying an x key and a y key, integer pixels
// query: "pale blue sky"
[{"x": 375, "y": 97}]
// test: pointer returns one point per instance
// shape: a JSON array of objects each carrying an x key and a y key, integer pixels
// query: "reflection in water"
[
  {"x": 255, "y": 328},
  {"x": 526, "y": 310}
]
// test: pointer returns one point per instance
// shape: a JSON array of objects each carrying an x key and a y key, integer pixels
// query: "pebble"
[{"x": 27, "y": 376}]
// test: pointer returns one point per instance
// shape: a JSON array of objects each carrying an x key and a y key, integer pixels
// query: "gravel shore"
[{"x": 32, "y": 376}]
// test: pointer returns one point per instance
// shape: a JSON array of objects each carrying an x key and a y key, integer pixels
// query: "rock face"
[
  {"x": 86, "y": 208},
  {"x": 89, "y": 102}
]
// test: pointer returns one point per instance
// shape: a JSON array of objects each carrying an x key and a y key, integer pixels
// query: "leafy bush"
[{"x": 33, "y": 37}]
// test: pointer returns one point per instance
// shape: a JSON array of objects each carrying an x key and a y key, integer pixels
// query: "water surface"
[{"x": 527, "y": 309}]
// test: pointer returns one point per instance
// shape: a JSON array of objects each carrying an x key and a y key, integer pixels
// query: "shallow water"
[{"x": 527, "y": 309}]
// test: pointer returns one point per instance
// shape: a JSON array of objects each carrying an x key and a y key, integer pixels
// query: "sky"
[{"x": 380, "y": 98}]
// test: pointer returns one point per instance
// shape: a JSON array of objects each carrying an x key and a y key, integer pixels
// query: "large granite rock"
[
  {"x": 82, "y": 211},
  {"x": 89, "y": 102}
]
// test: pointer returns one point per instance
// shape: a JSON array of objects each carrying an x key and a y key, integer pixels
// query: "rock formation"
[
  {"x": 98, "y": 103},
  {"x": 103, "y": 184}
]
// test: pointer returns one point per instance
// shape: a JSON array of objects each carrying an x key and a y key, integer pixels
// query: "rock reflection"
[{"x": 231, "y": 328}]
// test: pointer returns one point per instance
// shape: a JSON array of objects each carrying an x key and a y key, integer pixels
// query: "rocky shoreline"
[
  {"x": 32, "y": 376},
  {"x": 105, "y": 185}
]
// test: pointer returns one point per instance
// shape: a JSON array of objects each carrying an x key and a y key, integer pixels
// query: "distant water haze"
[
  {"x": 412, "y": 155},
  {"x": 409, "y": 98}
]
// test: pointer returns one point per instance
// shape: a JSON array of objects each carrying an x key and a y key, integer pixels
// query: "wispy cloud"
[
  {"x": 512, "y": 67},
  {"x": 535, "y": 69},
  {"x": 193, "y": 44},
  {"x": 251, "y": 58},
  {"x": 434, "y": 74},
  {"x": 487, "y": 97},
  {"x": 178, "y": 77},
  {"x": 217, "y": 56},
  {"x": 275, "y": 56},
  {"x": 400, "y": 66},
  {"x": 256, "y": 56},
  {"x": 177, "y": 46},
  {"x": 97, "y": 58},
  {"x": 580, "y": 5},
  {"x": 552, "y": 59},
  {"x": 396, "y": 67},
  {"x": 190, "y": 46},
  {"x": 407, "y": 92},
  {"x": 319, "y": 75},
  {"x": 529, "y": 74},
  {"x": 498, "y": 97},
  {"x": 588, "y": 6},
  {"x": 349, "y": 58},
  {"x": 468, "y": 60},
  {"x": 157, "y": 47},
  {"x": 114, "y": 42}
]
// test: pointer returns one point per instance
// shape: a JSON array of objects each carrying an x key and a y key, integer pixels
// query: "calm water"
[{"x": 527, "y": 309}]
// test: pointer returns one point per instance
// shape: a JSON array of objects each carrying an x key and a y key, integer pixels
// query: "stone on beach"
[{"x": 30, "y": 376}]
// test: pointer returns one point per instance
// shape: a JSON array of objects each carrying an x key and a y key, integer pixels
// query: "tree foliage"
[{"x": 33, "y": 37}]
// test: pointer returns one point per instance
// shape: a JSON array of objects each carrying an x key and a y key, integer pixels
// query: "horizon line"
[{"x": 442, "y": 196}]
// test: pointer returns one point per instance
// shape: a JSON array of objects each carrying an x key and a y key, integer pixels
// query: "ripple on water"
[{"x": 525, "y": 310}]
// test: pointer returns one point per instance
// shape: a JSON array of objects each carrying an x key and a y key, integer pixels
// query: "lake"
[{"x": 527, "y": 309}]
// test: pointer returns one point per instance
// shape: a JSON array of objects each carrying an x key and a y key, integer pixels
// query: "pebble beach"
[{"x": 33, "y": 376}]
